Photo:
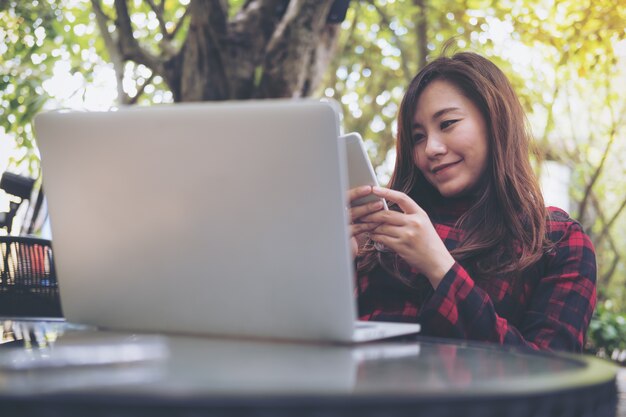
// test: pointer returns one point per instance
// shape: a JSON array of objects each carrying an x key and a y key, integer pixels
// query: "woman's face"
[{"x": 450, "y": 145}]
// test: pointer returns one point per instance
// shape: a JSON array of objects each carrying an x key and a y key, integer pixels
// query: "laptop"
[{"x": 224, "y": 219}]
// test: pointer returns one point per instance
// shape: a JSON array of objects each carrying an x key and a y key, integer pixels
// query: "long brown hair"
[{"x": 505, "y": 227}]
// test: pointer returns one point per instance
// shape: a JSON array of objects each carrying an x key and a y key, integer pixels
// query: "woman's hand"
[
  {"x": 358, "y": 228},
  {"x": 410, "y": 234}
]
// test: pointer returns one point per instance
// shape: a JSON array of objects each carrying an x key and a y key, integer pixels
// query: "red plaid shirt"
[{"x": 550, "y": 309}]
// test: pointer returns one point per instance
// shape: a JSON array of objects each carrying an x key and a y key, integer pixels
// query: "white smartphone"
[{"x": 360, "y": 170}]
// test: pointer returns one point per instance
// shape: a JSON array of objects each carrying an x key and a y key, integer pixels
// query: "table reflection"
[
  {"x": 138, "y": 363},
  {"x": 30, "y": 334}
]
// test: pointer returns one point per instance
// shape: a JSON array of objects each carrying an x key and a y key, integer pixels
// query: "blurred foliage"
[
  {"x": 34, "y": 37},
  {"x": 607, "y": 331},
  {"x": 565, "y": 59}
]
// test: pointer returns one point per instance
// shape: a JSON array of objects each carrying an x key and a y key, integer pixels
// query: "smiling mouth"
[{"x": 442, "y": 167}]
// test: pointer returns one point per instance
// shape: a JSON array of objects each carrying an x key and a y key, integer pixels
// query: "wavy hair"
[{"x": 505, "y": 227}]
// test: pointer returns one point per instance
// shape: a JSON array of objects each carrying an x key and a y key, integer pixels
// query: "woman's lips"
[{"x": 443, "y": 167}]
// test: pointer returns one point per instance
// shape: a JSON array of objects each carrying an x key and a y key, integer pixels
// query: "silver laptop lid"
[{"x": 217, "y": 218}]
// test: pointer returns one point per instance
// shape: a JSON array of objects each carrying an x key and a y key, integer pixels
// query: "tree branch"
[
  {"x": 97, "y": 7},
  {"x": 180, "y": 23},
  {"x": 421, "y": 31},
  {"x": 609, "y": 224},
  {"x": 594, "y": 178},
  {"x": 550, "y": 116},
  {"x": 142, "y": 88},
  {"x": 127, "y": 44},
  {"x": 102, "y": 21},
  {"x": 321, "y": 55},
  {"x": 158, "y": 10},
  {"x": 571, "y": 120},
  {"x": 606, "y": 277}
]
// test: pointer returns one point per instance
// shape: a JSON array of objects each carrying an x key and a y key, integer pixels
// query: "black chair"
[{"x": 28, "y": 284}]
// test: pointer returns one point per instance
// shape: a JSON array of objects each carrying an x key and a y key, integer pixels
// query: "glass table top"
[{"x": 38, "y": 357}]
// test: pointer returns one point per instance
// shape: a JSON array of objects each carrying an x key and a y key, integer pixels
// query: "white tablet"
[{"x": 360, "y": 170}]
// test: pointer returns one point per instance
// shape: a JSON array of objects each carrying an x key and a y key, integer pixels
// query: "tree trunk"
[
  {"x": 421, "y": 29},
  {"x": 292, "y": 50},
  {"x": 268, "y": 49}
]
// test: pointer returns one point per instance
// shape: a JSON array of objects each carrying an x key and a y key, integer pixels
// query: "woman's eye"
[
  {"x": 447, "y": 123},
  {"x": 417, "y": 137}
]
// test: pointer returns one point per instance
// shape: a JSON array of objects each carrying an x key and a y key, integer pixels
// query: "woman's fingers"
[
  {"x": 385, "y": 216},
  {"x": 406, "y": 203},
  {"x": 387, "y": 230},
  {"x": 389, "y": 241},
  {"x": 356, "y": 213},
  {"x": 360, "y": 228},
  {"x": 359, "y": 192}
]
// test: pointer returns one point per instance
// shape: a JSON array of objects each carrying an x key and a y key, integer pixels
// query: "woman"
[{"x": 468, "y": 249}]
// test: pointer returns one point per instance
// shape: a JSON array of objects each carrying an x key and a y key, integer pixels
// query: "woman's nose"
[{"x": 434, "y": 146}]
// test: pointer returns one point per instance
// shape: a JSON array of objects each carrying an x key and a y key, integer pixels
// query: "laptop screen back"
[{"x": 214, "y": 218}]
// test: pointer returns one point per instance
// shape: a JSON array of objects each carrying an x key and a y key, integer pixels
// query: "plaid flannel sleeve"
[{"x": 557, "y": 314}]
